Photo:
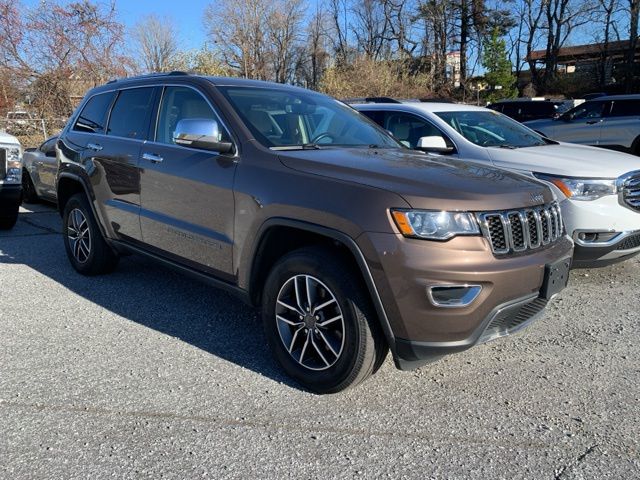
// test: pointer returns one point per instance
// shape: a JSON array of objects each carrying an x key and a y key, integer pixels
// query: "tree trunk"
[{"x": 634, "y": 9}]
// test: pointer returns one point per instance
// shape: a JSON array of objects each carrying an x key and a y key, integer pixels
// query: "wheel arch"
[{"x": 279, "y": 236}]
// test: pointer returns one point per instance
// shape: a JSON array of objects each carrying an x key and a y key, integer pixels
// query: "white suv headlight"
[
  {"x": 435, "y": 225},
  {"x": 14, "y": 166},
  {"x": 583, "y": 189}
]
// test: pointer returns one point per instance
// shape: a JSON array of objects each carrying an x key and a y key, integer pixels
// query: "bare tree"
[
  {"x": 634, "y": 12},
  {"x": 370, "y": 27},
  {"x": 156, "y": 43},
  {"x": 284, "y": 32},
  {"x": 239, "y": 31}
]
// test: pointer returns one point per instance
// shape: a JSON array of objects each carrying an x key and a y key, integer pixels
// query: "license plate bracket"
[{"x": 556, "y": 277}]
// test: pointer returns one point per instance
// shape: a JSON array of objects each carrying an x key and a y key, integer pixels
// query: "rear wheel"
[
  {"x": 319, "y": 321},
  {"x": 86, "y": 248},
  {"x": 29, "y": 194}
]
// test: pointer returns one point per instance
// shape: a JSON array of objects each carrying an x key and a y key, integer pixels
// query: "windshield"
[
  {"x": 285, "y": 119},
  {"x": 491, "y": 129}
]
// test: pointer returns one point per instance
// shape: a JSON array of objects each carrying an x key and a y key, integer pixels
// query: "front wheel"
[
  {"x": 319, "y": 321},
  {"x": 87, "y": 250},
  {"x": 29, "y": 194},
  {"x": 8, "y": 216}
]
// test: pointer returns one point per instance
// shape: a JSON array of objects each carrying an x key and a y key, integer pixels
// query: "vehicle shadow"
[{"x": 152, "y": 295}]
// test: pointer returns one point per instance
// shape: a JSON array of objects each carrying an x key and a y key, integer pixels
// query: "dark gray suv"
[{"x": 349, "y": 243}]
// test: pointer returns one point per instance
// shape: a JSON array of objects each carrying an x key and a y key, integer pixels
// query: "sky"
[{"x": 186, "y": 14}]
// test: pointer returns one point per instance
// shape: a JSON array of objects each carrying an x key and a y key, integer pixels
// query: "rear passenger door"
[
  {"x": 187, "y": 193},
  {"x": 622, "y": 125},
  {"x": 106, "y": 138}
]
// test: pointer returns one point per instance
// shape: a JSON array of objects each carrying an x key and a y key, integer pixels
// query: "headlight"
[
  {"x": 14, "y": 166},
  {"x": 435, "y": 225},
  {"x": 582, "y": 188}
]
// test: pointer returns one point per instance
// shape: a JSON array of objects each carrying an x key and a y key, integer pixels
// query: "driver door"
[
  {"x": 582, "y": 125},
  {"x": 186, "y": 193}
]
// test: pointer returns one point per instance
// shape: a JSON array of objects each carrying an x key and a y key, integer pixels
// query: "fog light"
[
  {"x": 453, "y": 296},
  {"x": 596, "y": 237}
]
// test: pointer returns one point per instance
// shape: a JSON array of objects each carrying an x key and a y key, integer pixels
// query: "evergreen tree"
[{"x": 495, "y": 60}]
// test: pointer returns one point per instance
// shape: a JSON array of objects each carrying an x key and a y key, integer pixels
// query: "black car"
[{"x": 525, "y": 110}]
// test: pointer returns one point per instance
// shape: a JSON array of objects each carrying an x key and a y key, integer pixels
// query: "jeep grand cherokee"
[{"x": 349, "y": 243}]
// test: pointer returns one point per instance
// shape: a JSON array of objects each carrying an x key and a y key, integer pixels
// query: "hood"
[
  {"x": 427, "y": 182},
  {"x": 566, "y": 159},
  {"x": 8, "y": 139}
]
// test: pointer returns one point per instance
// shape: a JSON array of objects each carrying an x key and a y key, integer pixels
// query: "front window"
[
  {"x": 289, "y": 119},
  {"x": 585, "y": 111},
  {"x": 491, "y": 129}
]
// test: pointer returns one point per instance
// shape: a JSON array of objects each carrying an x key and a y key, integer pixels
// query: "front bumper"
[
  {"x": 621, "y": 246},
  {"x": 404, "y": 269},
  {"x": 599, "y": 216}
]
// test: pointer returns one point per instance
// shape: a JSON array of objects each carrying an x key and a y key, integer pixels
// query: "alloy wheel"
[
  {"x": 310, "y": 322},
  {"x": 79, "y": 235}
]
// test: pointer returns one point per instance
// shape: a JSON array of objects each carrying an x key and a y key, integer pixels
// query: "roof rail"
[
  {"x": 151, "y": 75},
  {"x": 371, "y": 100}
]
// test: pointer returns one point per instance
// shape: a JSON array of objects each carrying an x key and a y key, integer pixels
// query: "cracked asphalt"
[{"x": 144, "y": 373}]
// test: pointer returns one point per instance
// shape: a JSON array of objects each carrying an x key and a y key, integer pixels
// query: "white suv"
[
  {"x": 610, "y": 122},
  {"x": 10, "y": 180},
  {"x": 599, "y": 189}
]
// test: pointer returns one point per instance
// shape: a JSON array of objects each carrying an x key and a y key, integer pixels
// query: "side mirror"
[
  {"x": 435, "y": 144},
  {"x": 200, "y": 133}
]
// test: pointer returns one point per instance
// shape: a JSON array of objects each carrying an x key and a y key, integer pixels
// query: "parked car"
[
  {"x": 10, "y": 180},
  {"x": 608, "y": 121},
  {"x": 599, "y": 190},
  {"x": 39, "y": 172},
  {"x": 19, "y": 122},
  {"x": 523, "y": 110},
  {"x": 348, "y": 242}
]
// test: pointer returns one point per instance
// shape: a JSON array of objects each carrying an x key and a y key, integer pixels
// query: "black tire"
[
  {"x": 8, "y": 216},
  {"x": 635, "y": 147},
  {"x": 29, "y": 194},
  {"x": 86, "y": 248},
  {"x": 363, "y": 346}
]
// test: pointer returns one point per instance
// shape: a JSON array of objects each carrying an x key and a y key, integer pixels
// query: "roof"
[
  {"x": 424, "y": 107},
  {"x": 584, "y": 51},
  {"x": 617, "y": 97}
]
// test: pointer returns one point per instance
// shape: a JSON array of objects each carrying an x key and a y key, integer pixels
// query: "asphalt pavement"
[{"x": 145, "y": 373}]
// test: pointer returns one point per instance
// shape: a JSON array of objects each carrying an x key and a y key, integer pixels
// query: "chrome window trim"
[{"x": 74, "y": 117}]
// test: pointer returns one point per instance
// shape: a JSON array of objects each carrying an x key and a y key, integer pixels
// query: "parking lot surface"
[{"x": 145, "y": 373}]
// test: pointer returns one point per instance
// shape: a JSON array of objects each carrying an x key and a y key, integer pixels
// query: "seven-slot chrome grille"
[
  {"x": 520, "y": 230},
  {"x": 630, "y": 191}
]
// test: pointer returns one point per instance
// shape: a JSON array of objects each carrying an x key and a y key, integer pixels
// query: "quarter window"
[
  {"x": 180, "y": 103},
  {"x": 93, "y": 116},
  {"x": 131, "y": 112}
]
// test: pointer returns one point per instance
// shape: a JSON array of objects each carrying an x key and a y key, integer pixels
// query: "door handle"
[
  {"x": 591, "y": 122},
  {"x": 152, "y": 157},
  {"x": 94, "y": 146}
]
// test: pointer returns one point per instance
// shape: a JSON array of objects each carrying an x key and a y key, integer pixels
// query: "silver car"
[
  {"x": 610, "y": 122},
  {"x": 39, "y": 172}
]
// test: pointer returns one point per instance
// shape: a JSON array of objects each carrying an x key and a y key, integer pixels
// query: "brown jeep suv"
[{"x": 350, "y": 244}]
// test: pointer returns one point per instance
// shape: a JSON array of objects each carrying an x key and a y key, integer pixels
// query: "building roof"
[{"x": 584, "y": 51}]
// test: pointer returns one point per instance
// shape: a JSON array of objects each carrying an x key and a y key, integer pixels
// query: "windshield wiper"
[
  {"x": 509, "y": 147},
  {"x": 303, "y": 146}
]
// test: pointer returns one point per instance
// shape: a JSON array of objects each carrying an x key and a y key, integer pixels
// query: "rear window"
[
  {"x": 93, "y": 117},
  {"x": 625, "y": 108},
  {"x": 130, "y": 115}
]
